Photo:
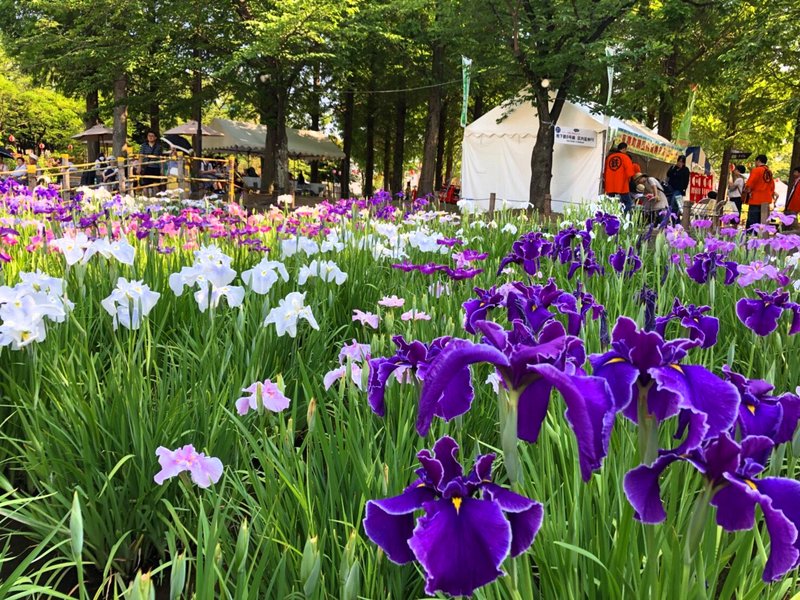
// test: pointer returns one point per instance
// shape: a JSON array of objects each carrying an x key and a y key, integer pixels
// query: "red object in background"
[
  {"x": 699, "y": 186},
  {"x": 41, "y": 146},
  {"x": 12, "y": 139}
]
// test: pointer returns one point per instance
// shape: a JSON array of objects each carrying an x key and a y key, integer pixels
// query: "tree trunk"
[
  {"x": 441, "y": 139},
  {"x": 387, "y": 155},
  {"x": 120, "y": 128},
  {"x": 666, "y": 103},
  {"x": 197, "y": 115},
  {"x": 153, "y": 109},
  {"x": 315, "y": 112},
  {"x": 431, "y": 144},
  {"x": 477, "y": 107},
  {"x": 796, "y": 143},
  {"x": 92, "y": 118},
  {"x": 281, "y": 147},
  {"x": 369, "y": 167},
  {"x": 448, "y": 169},
  {"x": 275, "y": 171},
  {"x": 399, "y": 143},
  {"x": 542, "y": 155},
  {"x": 730, "y": 137},
  {"x": 347, "y": 139}
]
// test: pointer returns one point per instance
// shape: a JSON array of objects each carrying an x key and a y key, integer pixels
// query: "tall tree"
[{"x": 554, "y": 43}]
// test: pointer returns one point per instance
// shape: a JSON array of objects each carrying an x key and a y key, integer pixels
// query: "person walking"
[
  {"x": 151, "y": 152},
  {"x": 736, "y": 187},
  {"x": 758, "y": 190},
  {"x": 793, "y": 194},
  {"x": 678, "y": 182},
  {"x": 617, "y": 175}
]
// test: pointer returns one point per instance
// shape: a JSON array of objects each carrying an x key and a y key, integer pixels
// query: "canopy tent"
[
  {"x": 250, "y": 138},
  {"x": 497, "y": 152},
  {"x": 190, "y": 128}
]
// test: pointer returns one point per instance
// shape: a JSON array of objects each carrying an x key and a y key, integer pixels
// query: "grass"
[{"x": 84, "y": 411}]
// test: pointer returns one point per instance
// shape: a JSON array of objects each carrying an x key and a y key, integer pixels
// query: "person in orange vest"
[
  {"x": 793, "y": 194},
  {"x": 758, "y": 190},
  {"x": 617, "y": 175}
]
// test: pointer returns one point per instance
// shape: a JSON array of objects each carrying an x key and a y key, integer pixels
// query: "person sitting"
[
  {"x": 110, "y": 175},
  {"x": 706, "y": 207},
  {"x": 20, "y": 172}
]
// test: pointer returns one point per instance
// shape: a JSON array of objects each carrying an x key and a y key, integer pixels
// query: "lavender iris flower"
[
  {"x": 648, "y": 381},
  {"x": 703, "y": 328},
  {"x": 761, "y": 315},
  {"x": 761, "y": 413},
  {"x": 469, "y": 527},
  {"x": 730, "y": 470}
]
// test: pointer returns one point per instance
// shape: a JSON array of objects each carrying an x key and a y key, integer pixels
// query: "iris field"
[{"x": 360, "y": 401}]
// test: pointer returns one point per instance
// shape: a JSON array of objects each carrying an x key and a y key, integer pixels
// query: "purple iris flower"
[
  {"x": 785, "y": 242},
  {"x": 589, "y": 264},
  {"x": 563, "y": 248},
  {"x": 527, "y": 251},
  {"x": 609, "y": 222},
  {"x": 678, "y": 238},
  {"x": 730, "y": 469},
  {"x": 761, "y": 315},
  {"x": 648, "y": 297},
  {"x": 414, "y": 359},
  {"x": 705, "y": 265},
  {"x": 628, "y": 262},
  {"x": 449, "y": 242},
  {"x": 477, "y": 309},
  {"x": 703, "y": 328},
  {"x": 460, "y": 274},
  {"x": 717, "y": 245},
  {"x": 647, "y": 379},
  {"x": 469, "y": 527},
  {"x": 530, "y": 366},
  {"x": 761, "y": 413}
]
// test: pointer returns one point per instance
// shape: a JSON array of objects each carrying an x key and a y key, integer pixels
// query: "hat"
[{"x": 640, "y": 188}]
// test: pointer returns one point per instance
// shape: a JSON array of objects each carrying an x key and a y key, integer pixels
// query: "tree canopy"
[{"x": 385, "y": 75}]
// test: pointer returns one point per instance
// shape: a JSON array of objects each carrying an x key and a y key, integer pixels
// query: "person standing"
[
  {"x": 736, "y": 187},
  {"x": 678, "y": 181},
  {"x": 617, "y": 175},
  {"x": 758, "y": 190},
  {"x": 151, "y": 152},
  {"x": 793, "y": 194}
]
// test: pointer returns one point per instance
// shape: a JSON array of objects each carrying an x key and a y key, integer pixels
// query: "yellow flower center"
[{"x": 457, "y": 503}]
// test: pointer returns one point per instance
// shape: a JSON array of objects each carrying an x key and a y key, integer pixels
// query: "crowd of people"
[{"x": 663, "y": 199}]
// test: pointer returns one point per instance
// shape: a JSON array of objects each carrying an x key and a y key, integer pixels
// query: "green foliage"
[{"x": 35, "y": 115}]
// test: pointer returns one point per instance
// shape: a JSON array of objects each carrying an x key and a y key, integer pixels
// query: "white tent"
[{"x": 497, "y": 148}]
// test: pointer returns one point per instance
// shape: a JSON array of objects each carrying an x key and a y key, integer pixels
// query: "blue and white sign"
[{"x": 576, "y": 136}]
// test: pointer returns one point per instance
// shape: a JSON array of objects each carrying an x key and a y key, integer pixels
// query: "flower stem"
[
  {"x": 508, "y": 400},
  {"x": 648, "y": 428},
  {"x": 694, "y": 536}
]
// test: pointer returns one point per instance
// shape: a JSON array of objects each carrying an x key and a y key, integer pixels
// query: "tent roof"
[
  {"x": 238, "y": 136},
  {"x": 95, "y": 131},
  {"x": 519, "y": 119}
]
